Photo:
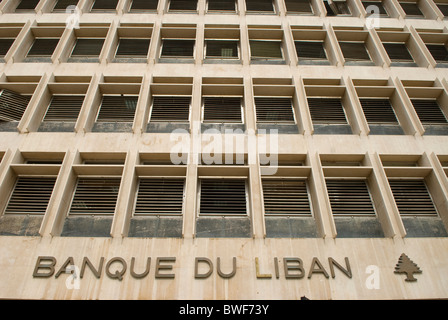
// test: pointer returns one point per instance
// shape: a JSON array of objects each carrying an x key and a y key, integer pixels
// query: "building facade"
[{"x": 233, "y": 149}]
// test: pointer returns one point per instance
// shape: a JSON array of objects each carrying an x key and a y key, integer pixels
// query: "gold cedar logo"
[{"x": 407, "y": 266}]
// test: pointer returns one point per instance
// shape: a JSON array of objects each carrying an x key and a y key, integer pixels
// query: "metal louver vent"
[
  {"x": 327, "y": 110},
  {"x": 12, "y": 105},
  {"x": 310, "y": 50},
  {"x": 412, "y": 197},
  {"x": 117, "y": 109},
  {"x": 221, "y": 5},
  {"x": 354, "y": 51},
  {"x": 27, "y": 5},
  {"x": 398, "y": 52},
  {"x": 222, "y": 109},
  {"x": 302, "y": 6},
  {"x": 349, "y": 197},
  {"x": 64, "y": 108},
  {"x": 5, "y": 44},
  {"x": 378, "y": 111},
  {"x": 438, "y": 51},
  {"x": 85, "y": 47},
  {"x": 133, "y": 48},
  {"x": 223, "y": 197},
  {"x": 96, "y": 196},
  {"x": 285, "y": 197},
  {"x": 259, "y": 5},
  {"x": 160, "y": 196},
  {"x": 274, "y": 110},
  {"x": 429, "y": 111},
  {"x": 30, "y": 195},
  {"x": 170, "y": 109},
  {"x": 144, "y": 4}
]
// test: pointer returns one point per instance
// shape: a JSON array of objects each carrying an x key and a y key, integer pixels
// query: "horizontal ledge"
[
  {"x": 341, "y": 171},
  {"x": 161, "y": 170},
  {"x": 95, "y": 170},
  {"x": 285, "y": 171},
  {"x": 35, "y": 169},
  {"x": 395, "y": 172}
]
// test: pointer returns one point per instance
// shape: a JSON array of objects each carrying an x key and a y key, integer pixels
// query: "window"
[
  {"x": 100, "y": 5},
  {"x": 260, "y": 5},
  {"x": 12, "y": 105},
  {"x": 221, "y": 5},
  {"x": 429, "y": 111},
  {"x": 221, "y": 49},
  {"x": 43, "y": 47},
  {"x": 411, "y": 9},
  {"x": 170, "y": 109},
  {"x": 116, "y": 108},
  {"x": 299, "y": 6},
  {"x": 5, "y": 45},
  {"x": 337, "y": 8},
  {"x": 439, "y": 52},
  {"x": 310, "y": 50},
  {"x": 350, "y": 197},
  {"x": 327, "y": 110},
  {"x": 222, "y": 109},
  {"x": 380, "y": 115},
  {"x": 398, "y": 52},
  {"x": 138, "y": 5},
  {"x": 375, "y": 7},
  {"x": 443, "y": 7},
  {"x": 27, "y": 5},
  {"x": 354, "y": 51},
  {"x": 286, "y": 197},
  {"x": 183, "y": 5},
  {"x": 61, "y": 5},
  {"x": 177, "y": 48},
  {"x": 266, "y": 50},
  {"x": 86, "y": 47},
  {"x": 64, "y": 108},
  {"x": 223, "y": 197},
  {"x": 131, "y": 47},
  {"x": 412, "y": 197},
  {"x": 274, "y": 109}
]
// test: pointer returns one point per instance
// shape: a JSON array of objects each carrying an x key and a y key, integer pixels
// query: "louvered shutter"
[
  {"x": 64, "y": 108},
  {"x": 378, "y": 111},
  {"x": 310, "y": 50},
  {"x": 411, "y": 9},
  {"x": 222, "y": 109},
  {"x": 170, "y": 109},
  {"x": 412, "y": 197},
  {"x": 88, "y": 47},
  {"x": 398, "y": 52},
  {"x": 274, "y": 109},
  {"x": 183, "y": 4},
  {"x": 133, "y": 47},
  {"x": 105, "y": 4},
  {"x": 159, "y": 196},
  {"x": 27, "y": 5},
  {"x": 221, "y": 49},
  {"x": 354, "y": 51},
  {"x": 144, "y": 4},
  {"x": 178, "y": 48},
  {"x": 5, "y": 45},
  {"x": 438, "y": 51},
  {"x": 30, "y": 195},
  {"x": 95, "y": 196},
  {"x": 262, "y": 49},
  {"x": 223, "y": 196},
  {"x": 12, "y": 105},
  {"x": 259, "y": 5},
  {"x": 43, "y": 47},
  {"x": 350, "y": 197},
  {"x": 327, "y": 110},
  {"x": 285, "y": 197},
  {"x": 429, "y": 111},
  {"x": 221, "y": 5},
  {"x": 117, "y": 109},
  {"x": 302, "y": 6},
  {"x": 63, "y": 4}
]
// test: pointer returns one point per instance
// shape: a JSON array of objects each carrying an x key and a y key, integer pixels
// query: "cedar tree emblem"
[{"x": 406, "y": 265}]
